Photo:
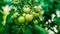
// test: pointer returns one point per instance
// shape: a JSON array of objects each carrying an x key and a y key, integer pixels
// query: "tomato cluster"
[{"x": 29, "y": 15}]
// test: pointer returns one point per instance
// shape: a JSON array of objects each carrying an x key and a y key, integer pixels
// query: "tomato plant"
[{"x": 29, "y": 17}]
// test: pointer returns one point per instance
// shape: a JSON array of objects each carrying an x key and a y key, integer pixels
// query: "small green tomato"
[
  {"x": 21, "y": 19},
  {"x": 29, "y": 17},
  {"x": 35, "y": 22},
  {"x": 35, "y": 14},
  {"x": 26, "y": 9},
  {"x": 24, "y": 14},
  {"x": 42, "y": 12},
  {"x": 37, "y": 8},
  {"x": 15, "y": 15}
]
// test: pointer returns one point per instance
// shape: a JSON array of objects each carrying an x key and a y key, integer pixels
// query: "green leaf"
[
  {"x": 7, "y": 1},
  {"x": 27, "y": 30},
  {"x": 39, "y": 30},
  {"x": 57, "y": 20},
  {"x": 1, "y": 28}
]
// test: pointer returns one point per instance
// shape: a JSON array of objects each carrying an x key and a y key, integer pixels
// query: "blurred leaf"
[
  {"x": 27, "y": 30},
  {"x": 57, "y": 20},
  {"x": 39, "y": 30},
  {"x": 7, "y": 1}
]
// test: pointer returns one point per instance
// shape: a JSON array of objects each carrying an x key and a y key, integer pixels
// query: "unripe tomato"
[
  {"x": 29, "y": 17},
  {"x": 15, "y": 15},
  {"x": 26, "y": 9},
  {"x": 42, "y": 12},
  {"x": 24, "y": 14},
  {"x": 35, "y": 14},
  {"x": 21, "y": 19},
  {"x": 35, "y": 22},
  {"x": 37, "y": 8}
]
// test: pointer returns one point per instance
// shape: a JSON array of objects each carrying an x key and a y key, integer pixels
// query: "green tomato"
[
  {"x": 42, "y": 12},
  {"x": 35, "y": 14},
  {"x": 35, "y": 22},
  {"x": 37, "y": 8},
  {"x": 29, "y": 17},
  {"x": 26, "y": 9},
  {"x": 24, "y": 14},
  {"x": 21, "y": 19},
  {"x": 15, "y": 15}
]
